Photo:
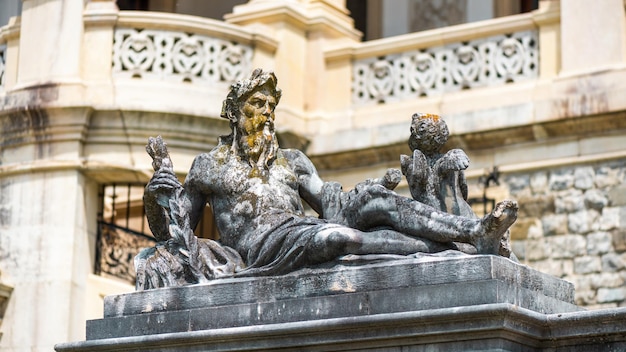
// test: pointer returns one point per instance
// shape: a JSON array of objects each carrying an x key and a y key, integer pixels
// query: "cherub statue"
[
  {"x": 437, "y": 179},
  {"x": 434, "y": 178}
]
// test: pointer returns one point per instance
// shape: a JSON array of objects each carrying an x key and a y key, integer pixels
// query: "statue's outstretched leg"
[
  {"x": 337, "y": 241},
  {"x": 378, "y": 207},
  {"x": 495, "y": 225}
]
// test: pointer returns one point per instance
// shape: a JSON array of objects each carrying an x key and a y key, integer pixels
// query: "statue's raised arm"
[{"x": 161, "y": 190}]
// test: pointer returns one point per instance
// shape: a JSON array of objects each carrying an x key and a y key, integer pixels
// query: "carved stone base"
[{"x": 439, "y": 303}]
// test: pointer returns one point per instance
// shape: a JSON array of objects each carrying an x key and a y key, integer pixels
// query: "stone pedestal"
[{"x": 427, "y": 303}]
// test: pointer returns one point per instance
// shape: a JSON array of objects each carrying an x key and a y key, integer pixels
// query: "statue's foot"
[{"x": 495, "y": 225}]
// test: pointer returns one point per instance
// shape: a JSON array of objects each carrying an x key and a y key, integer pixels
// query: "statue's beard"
[{"x": 259, "y": 148}]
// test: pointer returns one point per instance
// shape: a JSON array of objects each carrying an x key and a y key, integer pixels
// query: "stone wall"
[{"x": 572, "y": 224}]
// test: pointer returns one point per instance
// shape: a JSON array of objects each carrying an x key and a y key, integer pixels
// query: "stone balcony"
[{"x": 498, "y": 83}]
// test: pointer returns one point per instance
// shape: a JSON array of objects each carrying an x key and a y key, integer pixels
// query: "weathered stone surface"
[
  {"x": 536, "y": 206},
  {"x": 569, "y": 246},
  {"x": 501, "y": 327},
  {"x": 519, "y": 248},
  {"x": 606, "y": 295},
  {"x": 518, "y": 182},
  {"x": 434, "y": 177},
  {"x": 606, "y": 280},
  {"x": 610, "y": 218},
  {"x": 562, "y": 180},
  {"x": 554, "y": 224},
  {"x": 550, "y": 266},
  {"x": 421, "y": 304},
  {"x": 599, "y": 243},
  {"x": 607, "y": 176},
  {"x": 539, "y": 182},
  {"x": 538, "y": 249},
  {"x": 617, "y": 195},
  {"x": 587, "y": 265},
  {"x": 347, "y": 292},
  {"x": 582, "y": 221},
  {"x": 596, "y": 199},
  {"x": 569, "y": 201},
  {"x": 612, "y": 262},
  {"x": 584, "y": 177}
]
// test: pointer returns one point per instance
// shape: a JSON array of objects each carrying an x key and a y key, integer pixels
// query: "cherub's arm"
[{"x": 453, "y": 160}]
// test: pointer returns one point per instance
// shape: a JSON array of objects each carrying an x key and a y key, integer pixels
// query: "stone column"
[
  {"x": 593, "y": 35},
  {"x": 53, "y": 54},
  {"x": 47, "y": 239},
  {"x": 47, "y": 206},
  {"x": 100, "y": 17}
]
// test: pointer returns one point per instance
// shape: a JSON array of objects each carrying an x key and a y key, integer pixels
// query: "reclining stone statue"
[{"x": 255, "y": 190}]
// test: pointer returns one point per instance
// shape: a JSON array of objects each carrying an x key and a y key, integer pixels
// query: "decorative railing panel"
[
  {"x": 426, "y": 72},
  {"x": 3, "y": 50},
  {"x": 178, "y": 57},
  {"x": 116, "y": 250}
]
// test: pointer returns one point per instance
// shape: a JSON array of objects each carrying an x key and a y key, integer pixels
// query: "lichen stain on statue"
[{"x": 256, "y": 190}]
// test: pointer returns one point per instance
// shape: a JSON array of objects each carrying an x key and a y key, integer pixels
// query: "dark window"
[
  {"x": 358, "y": 12},
  {"x": 137, "y": 5},
  {"x": 123, "y": 230}
]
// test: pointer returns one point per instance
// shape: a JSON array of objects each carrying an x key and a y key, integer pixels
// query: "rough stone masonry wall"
[{"x": 572, "y": 224}]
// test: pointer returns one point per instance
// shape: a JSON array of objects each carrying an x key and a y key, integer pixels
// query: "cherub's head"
[{"x": 429, "y": 133}]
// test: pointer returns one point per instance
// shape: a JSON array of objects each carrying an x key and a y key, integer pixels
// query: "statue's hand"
[
  {"x": 453, "y": 160},
  {"x": 164, "y": 183},
  {"x": 163, "y": 186},
  {"x": 157, "y": 149}
]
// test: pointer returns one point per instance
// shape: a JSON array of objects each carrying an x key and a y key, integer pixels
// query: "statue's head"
[
  {"x": 249, "y": 107},
  {"x": 242, "y": 90},
  {"x": 429, "y": 133}
]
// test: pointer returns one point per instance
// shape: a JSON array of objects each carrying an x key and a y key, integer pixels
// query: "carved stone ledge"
[{"x": 450, "y": 303}]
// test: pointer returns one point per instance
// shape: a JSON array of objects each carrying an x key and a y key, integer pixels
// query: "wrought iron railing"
[
  {"x": 488, "y": 204},
  {"x": 116, "y": 249},
  {"x": 123, "y": 230}
]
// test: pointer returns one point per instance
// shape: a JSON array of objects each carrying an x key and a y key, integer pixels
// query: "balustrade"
[
  {"x": 429, "y": 71},
  {"x": 178, "y": 57}
]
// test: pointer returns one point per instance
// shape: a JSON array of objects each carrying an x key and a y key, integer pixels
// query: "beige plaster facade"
[{"x": 83, "y": 85}]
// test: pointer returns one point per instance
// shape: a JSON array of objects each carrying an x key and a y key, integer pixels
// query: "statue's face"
[
  {"x": 256, "y": 124},
  {"x": 257, "y": 112},
  {"x": 428, "y": 135}
]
